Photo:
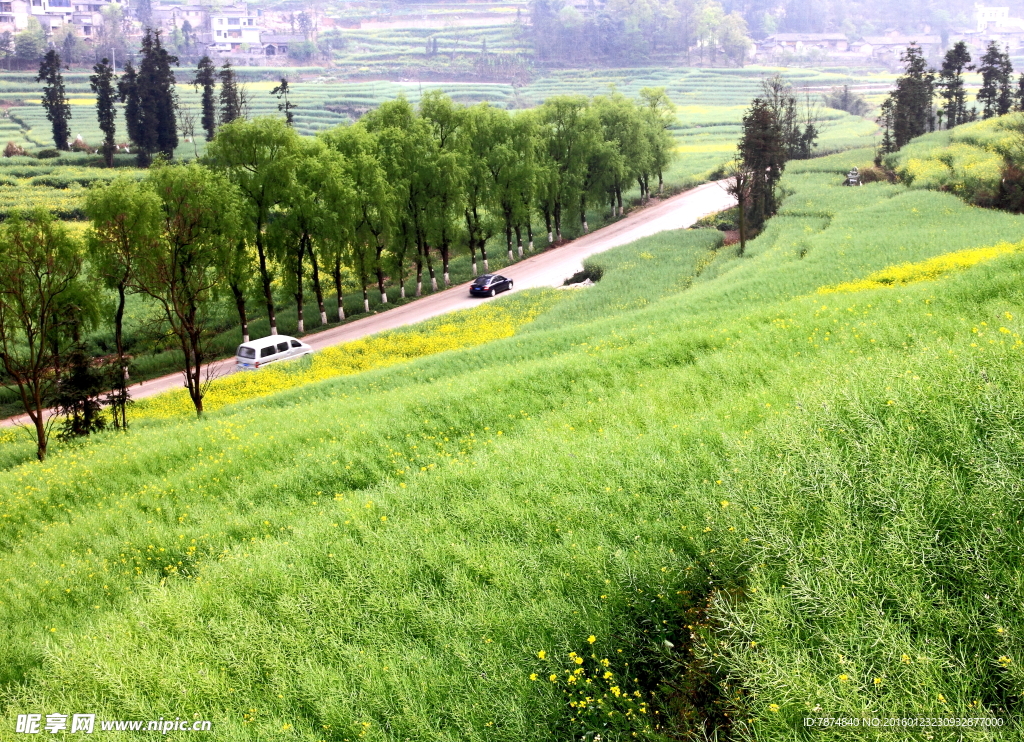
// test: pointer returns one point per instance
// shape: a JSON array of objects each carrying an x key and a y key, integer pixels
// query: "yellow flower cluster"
[
  {"x": 463, "y": 329},
  {"x": 926, "y": 270}
]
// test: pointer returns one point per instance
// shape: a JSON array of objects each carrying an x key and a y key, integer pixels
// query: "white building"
[
  {"x": 990, "y": 17},
  {"x": 86, "y": 16},
  {"x": 233, "y": 25}
]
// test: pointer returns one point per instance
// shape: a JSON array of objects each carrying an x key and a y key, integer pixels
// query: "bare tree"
[
  {"x": 187, "y": 125},
  {"x": 738, "y": 186}
]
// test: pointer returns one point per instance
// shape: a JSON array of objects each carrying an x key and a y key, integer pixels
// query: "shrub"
[
  {"x": 13, "y": 150},
  {"x": 724, "y": 221},
  {"x": 875, "y": 175},
  {"x": 46, "y": 154}
]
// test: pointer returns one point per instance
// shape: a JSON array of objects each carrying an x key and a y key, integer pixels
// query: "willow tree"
[
  {"x": 125, "y": 223},
  {"x": 42, "y": 265},
  {"x": 259, "y": 157},
  {"x": 199, "y": 214},
  {"x": 374, "y": 208}
]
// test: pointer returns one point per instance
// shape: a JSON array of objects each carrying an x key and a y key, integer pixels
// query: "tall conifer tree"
[
  {"x": 128, "y": 93},
  {"x": 58, "y": 111},
  {"x": 951, "y": 83},
  {"x": 996, "y": 92},
  {"x": 156, "y": 88},
  {"x": 102, "y": 84},
  {"x": 206, "y": 78},
  {"x": 230, "y": 102},
  {"x": 907, "y": 112}
]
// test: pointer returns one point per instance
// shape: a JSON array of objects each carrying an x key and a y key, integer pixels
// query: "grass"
[{"x": 820, "y": 496}]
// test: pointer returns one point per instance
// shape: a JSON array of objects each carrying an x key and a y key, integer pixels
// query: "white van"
[{"x": 256, "y": 353}]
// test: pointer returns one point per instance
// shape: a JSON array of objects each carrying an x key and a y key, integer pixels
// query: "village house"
[
  {"x": 85, "y": 17},
  {"x": 799, "y": 44}
]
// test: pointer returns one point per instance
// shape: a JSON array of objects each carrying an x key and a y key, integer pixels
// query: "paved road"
[{"x": 549, "y": 268}]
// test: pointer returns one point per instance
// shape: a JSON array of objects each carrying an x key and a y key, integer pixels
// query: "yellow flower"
[
  {"x": 843, "y": 678},
  {"x": 905, "y": 659},
  {"x": 926, "y": 270},
  {"x": 533, "y": 676},
  {"x": 542, "y": 654},
  {"x": 878, "y": 681},
  {"x": 553, "y": 678},
  {"x": 773, "y": 707},
  {"x": 724, "y": 503},
  {"x": 1005, "y": 661},
  {"x": 591, "y": 638},
  {"x": 462, "y": 329}
]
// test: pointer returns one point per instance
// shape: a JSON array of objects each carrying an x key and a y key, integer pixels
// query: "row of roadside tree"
[{"x": 398, "y": 194}]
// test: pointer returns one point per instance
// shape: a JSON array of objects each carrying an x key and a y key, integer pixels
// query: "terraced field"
[{"x": 711, "y": 105}]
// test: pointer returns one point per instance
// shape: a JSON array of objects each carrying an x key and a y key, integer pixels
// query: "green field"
[
  {"x": 711, "y": 105},
  {"x": 702, "y": 473},
  {"x": 706, "y": 134}
]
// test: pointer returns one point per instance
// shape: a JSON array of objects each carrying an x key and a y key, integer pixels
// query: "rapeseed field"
[{"x": 698, "y": 498}]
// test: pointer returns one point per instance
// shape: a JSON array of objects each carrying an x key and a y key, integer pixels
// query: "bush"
[
  {"x": 591, "y": 272},
  {"x": 724, "y": 221},
  {"x": 875, "y": 175},
  {"x": 13, "y": 150},
  {"x": 46, "y": 154}
]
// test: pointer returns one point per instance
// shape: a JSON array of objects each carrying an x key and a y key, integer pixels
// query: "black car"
[{"x": 490, "y": 285}]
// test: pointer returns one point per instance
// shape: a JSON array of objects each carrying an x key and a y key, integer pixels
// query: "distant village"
[
  {"x": 992, "y": 24},
  {"x": 252, "y": 36},
  {"x": 245, "y": 34}
]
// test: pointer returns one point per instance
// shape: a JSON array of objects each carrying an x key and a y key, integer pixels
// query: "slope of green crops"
[{"x": 701, "y": 462}]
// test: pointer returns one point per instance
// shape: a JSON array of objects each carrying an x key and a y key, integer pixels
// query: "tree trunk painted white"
[
  {"x": 302, "y": 327},
  {"x": 510, "y": 258},
  {"x": 474, "y": 266},
  {"x": 366, "y": 305},
  {"x": 419, "y": 287},
  {"x": 487, "y": 268},
  {"x": 245, "y": 339},
  {"x": 341, "y": 309},
  {"x": 403, "y": 290},
  {"x": 323, "y": 318},
  {"x": 586, "y": 229},
  {"x": 383, "y": 297},
  {"x": 550, "y": 237},
  {"x": 433, "y": 283},
  {"x": 273, "y": 329},
  {"x": 447, "y": 279}
]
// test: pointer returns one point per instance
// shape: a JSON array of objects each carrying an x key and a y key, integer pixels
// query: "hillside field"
[
  {"x": 710, "y": 109},
  {"x": 712, "y": 489}
]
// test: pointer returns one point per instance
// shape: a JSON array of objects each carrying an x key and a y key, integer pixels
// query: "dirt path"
[{"x": 549, "y": 268}]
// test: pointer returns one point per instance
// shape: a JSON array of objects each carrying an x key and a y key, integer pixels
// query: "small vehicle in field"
[
  {"x": 258, "y": 353},
  {"x": 490, "y": 285}
]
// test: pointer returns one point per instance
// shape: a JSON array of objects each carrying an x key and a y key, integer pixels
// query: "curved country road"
[{"x": 548, "y": 268}]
